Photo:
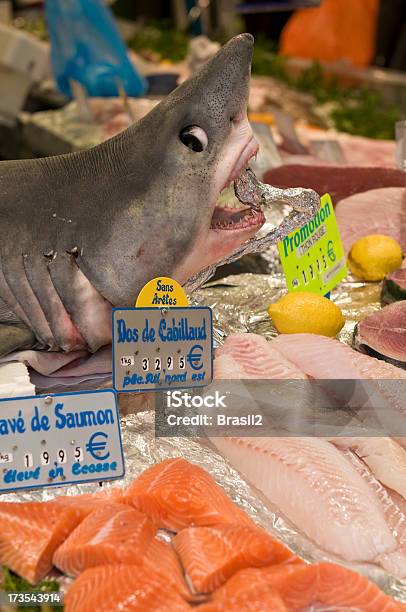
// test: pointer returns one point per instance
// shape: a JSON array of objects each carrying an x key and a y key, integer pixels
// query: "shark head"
[
  {"x": 141, "y": 205},
  {"x": 215, "y": 145},
  {"x": 194, "y": 144}
]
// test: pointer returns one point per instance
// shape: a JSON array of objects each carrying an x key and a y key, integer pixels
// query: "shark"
[{"x": 82, "y": 233}]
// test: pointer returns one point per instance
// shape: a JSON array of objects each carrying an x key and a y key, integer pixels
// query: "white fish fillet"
[
  {"x": 225, "y": 367},
  {"x": 377, "y": 211},
  {"x": 394, "y": 508},
  {"x": 383, "y": 456},
  {"x": 317, "y": 357},
  {"x": 317, "y": 489},
  {"x": 250, "y": 356},
  {"x": 322, "y": 357},
  {"x": 326, "y": 358}
]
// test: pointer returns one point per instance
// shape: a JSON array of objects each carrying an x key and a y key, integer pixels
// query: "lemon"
[
  {"x": 374, "y": 256},
  {"x": 306, "y": 313}
]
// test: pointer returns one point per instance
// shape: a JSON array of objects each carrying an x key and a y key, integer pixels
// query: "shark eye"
[{"x": 194, "y": 138}]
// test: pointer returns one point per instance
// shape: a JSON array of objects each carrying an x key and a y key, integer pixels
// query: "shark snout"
[
  {"x": 239, "y": 50},
  {"x": 225, "y": 80},
  {"x": 244, "y": 38}
]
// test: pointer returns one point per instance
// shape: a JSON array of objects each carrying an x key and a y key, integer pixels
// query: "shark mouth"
[
  {"x": 231, "y": 213},
  {"x": 234, "y": 210}
]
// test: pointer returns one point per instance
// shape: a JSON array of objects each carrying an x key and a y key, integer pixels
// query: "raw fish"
[
  {"x": 161, "y": 557},
  {"x": 113, "y": 534},
  {"x": 378, "y": 211},
  {"x": 385, "y": 457},
  {"x": 89, "y": 502},
  {"x": 339, "y": 181},
  {"x": 326, "y": 358},
  {"x": 177, "y": 494},
  {"x": 255, "y": 576},
  {"x": 251, "y": 356},
  {"x": 394, "y": 508},
  {"x": 322, "y": 357},
  {"x": 30, "y": 532},
  {"x": 317, "y": 489},
  {"x": 301, "y": 586},
  {"x": 394, "y": 286},
  {"x": 123, "y": 588},
  {"x": 210, "y": 555},
  {"x": 383, "y": 334},
  {"x": 331, "y": 585},
  {"x": 253, "y": 597}
]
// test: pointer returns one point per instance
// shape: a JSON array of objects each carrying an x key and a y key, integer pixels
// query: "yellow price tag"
[{"x": 162, "y": 292}]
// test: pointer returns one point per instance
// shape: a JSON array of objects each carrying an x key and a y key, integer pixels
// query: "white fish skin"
[
  {"x": 385, "y": 458},
  {"x": 317, "y": 489},
  {"x": 394, "y": 508}
]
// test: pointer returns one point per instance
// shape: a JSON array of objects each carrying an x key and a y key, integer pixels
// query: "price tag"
[
  {"x": 313, "y": 256},
  {"x": 59, "y": 439},
  {"x": 156, "y": 349},
  {"x": 162, "y": 292}
]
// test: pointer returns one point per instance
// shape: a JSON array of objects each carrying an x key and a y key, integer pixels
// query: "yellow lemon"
[
  {"x": 306, "y": 313},
  {"x": 372, "y": 257}
]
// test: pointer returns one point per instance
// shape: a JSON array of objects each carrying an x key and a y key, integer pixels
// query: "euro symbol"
[
  {"x": 95, "y": 448},
  {"x": 330, "y": 250},
  {"x": 194, "y": 357}
]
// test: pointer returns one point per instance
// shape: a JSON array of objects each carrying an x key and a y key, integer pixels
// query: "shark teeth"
[
  {"x": 230, "y": 212},
  {"x": 239, "y": 205},
  {"x": 243, "y": 192},
  {"x": 232, "y": 219}
]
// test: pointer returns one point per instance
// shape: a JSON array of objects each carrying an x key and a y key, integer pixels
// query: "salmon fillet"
[
  {"x": 253, "y": 576},
  {"x": 88, "y": 502},
  {"x": 30, "y": 532},
  {"x": 160, "y": 557},
  {"x": 210, "y": 555},
  {"x": 330, "y": 585},
  {"x": 123, "y": 588},
  {"x": 113, "y": 534},
  {"x": 176, "y": 494},
  {"x": 248, "y": 590},
  {"x": 254, "y": 598}
]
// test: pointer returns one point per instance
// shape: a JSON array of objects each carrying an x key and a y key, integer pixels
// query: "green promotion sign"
[{"x": 313, "y": 256}]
